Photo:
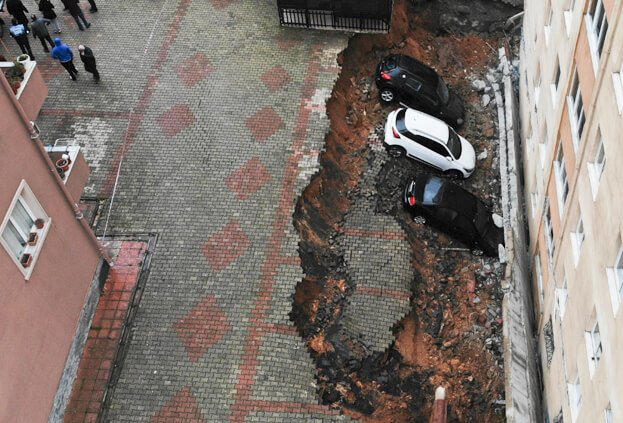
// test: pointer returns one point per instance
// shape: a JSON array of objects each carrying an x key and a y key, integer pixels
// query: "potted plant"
[
  {"x": 23, "y": 58},
  {"x": 26, "y": 259},
  {"x": 62, "y": 164},
  {"x": 39, "y": 223},
  {"x": 32, "y": 238}
]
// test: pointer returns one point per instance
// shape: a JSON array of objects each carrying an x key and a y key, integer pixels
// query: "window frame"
[
  {"x": 574, "y": 392},
  {"x": 596, "y": 31},
  {"x": 549, "y": 234},
  {"x": 562, "y": 180},
  {"x": 555, "y": 85},
  {"x": 617, "y": 81},
  {"x": 575, "y": 101},
  {"x": 25, "y": 196},
  {"x": 562, "y": 297},
  {"x": 615, "y": 280},
  {"x": 578, "y": 238},
  {"x": 594, "y": 346},
  {"x": 597, "y": 166}
]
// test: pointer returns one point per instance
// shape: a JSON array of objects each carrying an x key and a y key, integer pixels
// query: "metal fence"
[{"x": 350, "y": 15}]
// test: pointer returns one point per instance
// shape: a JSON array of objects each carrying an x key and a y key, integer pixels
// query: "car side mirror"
[{"x": 448, "y": 158}]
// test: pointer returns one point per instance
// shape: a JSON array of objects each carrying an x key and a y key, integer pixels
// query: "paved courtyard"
[{"x": 205, "y": 128}]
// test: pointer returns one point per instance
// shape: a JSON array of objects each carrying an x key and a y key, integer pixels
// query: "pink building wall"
[{"x": 39, "y": 316}]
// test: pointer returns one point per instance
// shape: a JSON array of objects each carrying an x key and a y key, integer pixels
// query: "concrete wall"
[
  {"x": 548, "y": 120},
  {"x": 40, "y": 315}
]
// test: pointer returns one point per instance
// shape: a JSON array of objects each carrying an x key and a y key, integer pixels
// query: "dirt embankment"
[{"x": 452, "y": 336}]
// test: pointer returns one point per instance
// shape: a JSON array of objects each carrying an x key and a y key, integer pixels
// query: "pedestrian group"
[{"x": 20, "y": 29}]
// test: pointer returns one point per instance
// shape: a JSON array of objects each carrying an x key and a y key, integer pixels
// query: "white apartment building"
[{"x": 571, "y": 105}]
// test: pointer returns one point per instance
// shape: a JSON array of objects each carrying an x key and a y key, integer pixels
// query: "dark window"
[
  {"x": 389, "y": 64},
  {"x": 442, "y": 91},
  {"x": 413, "y": 84},
  {"x": 454, "y": 144},
  {"x": 400, "y": 122},
  {"x": 433, "y": 191}
]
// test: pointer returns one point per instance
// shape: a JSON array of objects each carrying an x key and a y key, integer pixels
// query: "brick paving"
[
  {"x": 216, "y": 116},
  {"x": 378, "y": 259},
  {"x": 103, "y": 339}
]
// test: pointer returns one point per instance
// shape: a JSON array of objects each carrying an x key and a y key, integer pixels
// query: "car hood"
[
  {"x": 455, "y": 109},
  {"x": 467, "y": 160}
]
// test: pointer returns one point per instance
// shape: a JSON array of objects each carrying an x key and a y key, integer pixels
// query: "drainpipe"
[{"x": 34, "y": 135}]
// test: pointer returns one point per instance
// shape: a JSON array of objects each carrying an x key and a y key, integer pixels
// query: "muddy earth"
[{"x": 452, "y": 335}]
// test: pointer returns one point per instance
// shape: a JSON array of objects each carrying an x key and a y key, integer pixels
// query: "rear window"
[
  {"x": 401, "y": 124},
  {"x": 433, "y": 191},
  {"x": 389, "y": 64}
]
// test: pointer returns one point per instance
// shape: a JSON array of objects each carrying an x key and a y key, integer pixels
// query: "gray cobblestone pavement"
[
  {"x": 216, "y": 115},
  {"x": 378, "y": 257}
]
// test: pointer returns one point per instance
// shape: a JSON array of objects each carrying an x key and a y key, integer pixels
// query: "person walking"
[
  {"x": 47, "y": 8},
  {"x": 17, "y": 9},
  {"x": 93, "y": 6},
  {"x": 88, "y": 59},
  {"x": 40, "y": 30},
  {"x": 76, "y": 12},
  {"x": 20, "y": 34},
  {"x": 63, "y": 53}
]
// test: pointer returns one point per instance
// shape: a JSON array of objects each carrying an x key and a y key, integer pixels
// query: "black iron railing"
[{"x": 350, "y": 15}]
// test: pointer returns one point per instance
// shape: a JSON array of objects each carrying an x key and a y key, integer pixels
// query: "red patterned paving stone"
[
  {"x": 276, "y": 78},
  {"x": 248, "y": 179},
  {"x": 226, "y": 246},
  {"x": 202, "y": 327},
  {"x": 176, "y": 119},
  {"x": 182, "y": 408},
  {"x": 264, "y": 123},
  {"x": 194, "y": 69},
  {"x": 285, "y": 43},
  {"x": 221, "y": 4}
]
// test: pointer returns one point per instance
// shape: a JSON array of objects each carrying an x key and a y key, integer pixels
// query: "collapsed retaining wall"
[{"x": 523, "y": 393}]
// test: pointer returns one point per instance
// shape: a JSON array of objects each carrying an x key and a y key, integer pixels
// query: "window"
[
  {"x": 577, "y": 239},
  {"x": 596, "y": 168},
  {"x": 24, "y": 228},
  {"x": 568, "y": 15},
  {"x": 615, "y": 280},
  {"x": 576, "y": 110},
  {"x": 562, "y": 296},
  {"x": 553, "y": 87},
  {"x": 548, "y": 340},
  {"x": 539, "y": 280},
  {"x": 617, "y": 80},
  {"x": 562, "y": 182},
  {"x": 593, "y": 346},
  {"x": 549, "y": 235},
  {"x": 575, "y": 397},
  {"x": 597, "y": 28},
  {"x": 608, "y": 416},
  {"x": 533, "y": 201},
  {"x": 548, "y": 26}
]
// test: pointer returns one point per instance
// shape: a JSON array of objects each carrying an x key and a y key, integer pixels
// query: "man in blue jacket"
[
  {"x": 63, "y": 53},
  {"x": 19, "y": 32}
]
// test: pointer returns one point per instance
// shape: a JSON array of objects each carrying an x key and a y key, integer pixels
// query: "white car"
[{"x": 429, "y": 140}]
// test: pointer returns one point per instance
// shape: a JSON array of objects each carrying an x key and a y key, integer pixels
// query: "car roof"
[
  {"x": 452, "y": 196},
  {"x": 418, "y": 68},
  {"x": 417, "y": 121}
]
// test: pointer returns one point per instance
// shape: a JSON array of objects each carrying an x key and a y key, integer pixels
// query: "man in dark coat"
[
  {"x": 19, "y": 32},
  {"x": 40, "y": 30},
  {"x": 93, "y": 6},
  {"x": 47, "y": 8},
  {"x": 76, "y": 12},
  {"x": 18, "y": 10},
  {"x": 87, "y": 57}
]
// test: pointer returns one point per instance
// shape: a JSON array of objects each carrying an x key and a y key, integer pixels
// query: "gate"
[{"x": 349, "y": 15}]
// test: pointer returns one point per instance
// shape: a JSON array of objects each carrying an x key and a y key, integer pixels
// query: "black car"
[
  {"x": 453, "y": 210},
  {"x": 411, "y": 82}
]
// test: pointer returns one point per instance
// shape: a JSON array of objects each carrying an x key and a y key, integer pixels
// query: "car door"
[
  {"x": 465, "y": 230},
  {"x": 432, "y": 152},
  {"x": 410, "y": 92}
]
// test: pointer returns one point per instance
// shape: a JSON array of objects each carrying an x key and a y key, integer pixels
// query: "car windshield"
[
  {"x": 401, "y": 124},
  {"x": 433, "y": 191},
  {"x": 442, "y": 91},
  {"x": 454, "y": 143}
]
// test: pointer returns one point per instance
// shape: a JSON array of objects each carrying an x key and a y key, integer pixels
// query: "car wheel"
[
  {"x": 396, "y": 152},
  {"x": 387, "y": 95},
  {"x": 420, "y": 220},
  {"x": 477, "y": 252},
  {"x": 454, "y": 174}
]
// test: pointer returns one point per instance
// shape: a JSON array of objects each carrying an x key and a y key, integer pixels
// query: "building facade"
[
  {"x": 571, "y": 104},
  {"x": 49, "y": 266}
]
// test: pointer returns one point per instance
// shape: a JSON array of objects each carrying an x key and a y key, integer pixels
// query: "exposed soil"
[{"x": 453, "y": 335}]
